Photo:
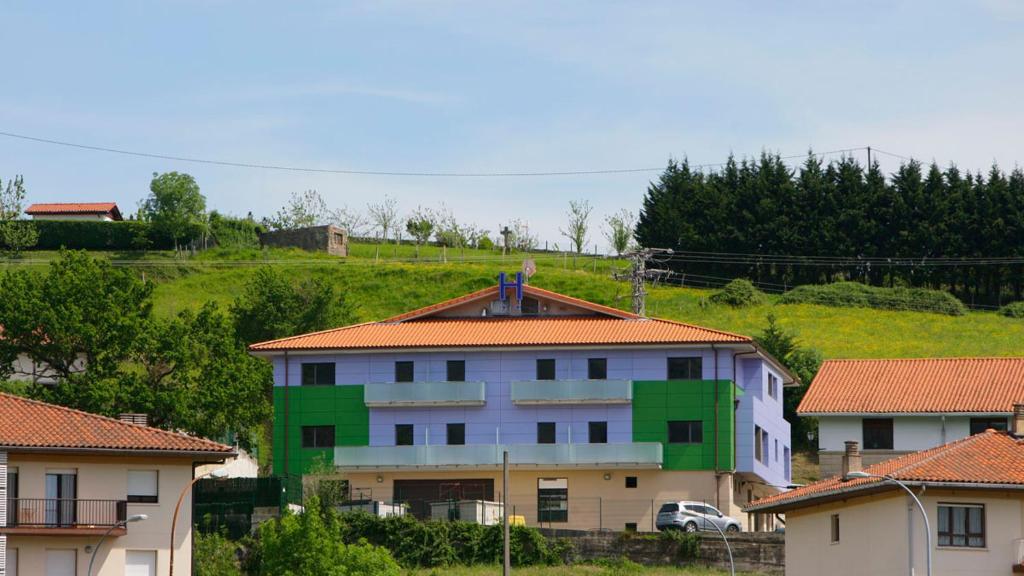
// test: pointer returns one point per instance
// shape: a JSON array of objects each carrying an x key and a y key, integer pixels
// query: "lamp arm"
[
  {"x": 100, "y": 543},
  {"x": 728, "y": 548},
  {"x": 927, "y": 525},
  {"x": 174, "y": 519}
]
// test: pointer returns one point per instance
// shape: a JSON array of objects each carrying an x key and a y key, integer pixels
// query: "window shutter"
[{"x": 143, "y": 483}]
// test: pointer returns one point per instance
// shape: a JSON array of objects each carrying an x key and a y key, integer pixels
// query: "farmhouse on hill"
[{"x": 89, "y": 211}]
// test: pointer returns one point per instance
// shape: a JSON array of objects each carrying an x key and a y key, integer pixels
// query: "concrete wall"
[
  {"x": 329, "y": 239},
  {"x": 874, "y": 536},
  {"x": 106, "y": 478}
]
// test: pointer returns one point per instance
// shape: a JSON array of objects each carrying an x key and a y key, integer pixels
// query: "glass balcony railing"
[
  {"x": 572, "y": 392},
  {"x": 626, "y": 455},
  {"x": 411, "y": 394}
]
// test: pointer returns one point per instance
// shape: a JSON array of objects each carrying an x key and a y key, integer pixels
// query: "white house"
[
  {"x": 94, "y": 211},
  {"x": 899, "y": 406}
]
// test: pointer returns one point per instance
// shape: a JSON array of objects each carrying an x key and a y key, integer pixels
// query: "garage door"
[
  {"x": 60, "y": 562},
  {"x": 12, "y": 562},
  {"x": 140, "y": 563}
]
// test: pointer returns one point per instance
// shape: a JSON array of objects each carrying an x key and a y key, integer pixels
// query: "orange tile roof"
[
  {"x": 988, "y": 459},
  {"x": 74, "y": 208},
  {"x": 33, "y": 425},
  {"x": 981, "y": 385}
]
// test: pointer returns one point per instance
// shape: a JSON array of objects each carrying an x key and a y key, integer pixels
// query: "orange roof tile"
[
  {"x": 981, "y": 385},
  {"x": 502, "y": 331},
  {"x": 30, "y": 424},
  {"x": 75, "y": 208},
  {"x": 987, "y": 459}
]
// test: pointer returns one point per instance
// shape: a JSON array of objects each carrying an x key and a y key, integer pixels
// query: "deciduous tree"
[
  {"x": 175, "y": 206},
  {"x": 16, "y": 234}
]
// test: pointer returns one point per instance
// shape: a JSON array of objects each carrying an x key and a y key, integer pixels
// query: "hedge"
[
  {"x": 98, "y": 235},
  {"x": 856, "y": 295},
  {"x": 738, "y": 293},
  {"x": 1013, "y": 310}
]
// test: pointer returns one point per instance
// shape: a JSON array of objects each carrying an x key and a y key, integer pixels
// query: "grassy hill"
[{"x": 393, "y": 281}]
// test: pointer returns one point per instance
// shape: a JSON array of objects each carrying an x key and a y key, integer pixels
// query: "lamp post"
[
  {"x": 728, "y": 548},
  {"x": 927, "y": 525},
  {"x": 218, "y": 473},
  {"x": 122, "y": 523}
]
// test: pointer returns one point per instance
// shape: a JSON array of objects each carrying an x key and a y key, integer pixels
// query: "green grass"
[
  {"x": 395, "y": 284},
  {"x": 578, "y": 569}
]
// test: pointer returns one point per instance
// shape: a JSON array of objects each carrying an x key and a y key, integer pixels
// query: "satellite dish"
[{"x": 529, "y": 268}]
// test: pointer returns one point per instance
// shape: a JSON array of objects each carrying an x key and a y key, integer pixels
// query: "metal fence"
[{"x": 64, "y": 512}]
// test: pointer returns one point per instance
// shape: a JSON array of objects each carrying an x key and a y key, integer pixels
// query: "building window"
[
  {"x": 143, "y": 486},
  {"x": 545, "y": 432},
  {"x": 835, "y": 529},
  {"x": 552, "y": 500},
  {"x": 776, "y": 449},
  {"x": 139, "y": 562},
  {"x": 405, "y": 371},
  {"x": 979, "y": 425},
  {"x": 962, "y": 525},
  {"x": 597, "y": 368},
  {"x": 318, "y": 373},
  {"x": 773, "y": 386},
  {"x": 685, "y": 432},
  {"x": 318, "y": 436},
  {"x": 456, "y": 370},
  {"x": 456, "y": 434},
  {"x": 529, "y": 306},
  {"x": 630, "y": 526},
  {"x": 630, "y": 481},
  {"x": 403, "y": 434},
  {"x": 598, "y": 432},
  {"x": 685, "y": 368},
  {"x": 877, "y": 433},
  {"x": 758, "y": 446},
  {"x": 545, "y": 369}
]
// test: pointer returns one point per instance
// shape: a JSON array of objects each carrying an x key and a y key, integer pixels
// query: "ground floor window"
[
  {"x": 835, "y": 529},
  {"x": 140, "y": 563},
  {"x": 962, "y": 525},
  {"x": 552, "y": 500}
]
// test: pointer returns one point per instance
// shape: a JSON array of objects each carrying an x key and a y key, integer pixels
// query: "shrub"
[
  {"x": 214, "y": 555},
  {"x": 687, "y": 545},
  {"x": 738, "y": 293},
  {"x": 96, "y": 235},
  {"x": 228, "y": 232},
  {"x": 1013, "y": 310},
  {"x": 856, "y": 295}
]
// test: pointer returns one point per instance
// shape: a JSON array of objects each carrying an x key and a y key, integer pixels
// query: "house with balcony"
[
  {"x": 67, "y": 478},
  {"x": 892, "y": 407},
  {"x": 605, "y": 414},
  {"x": 862, "y": 522}
]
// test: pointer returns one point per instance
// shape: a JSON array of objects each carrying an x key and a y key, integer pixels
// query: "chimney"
[
  {"x": 140, "y": 419},
  {"x": 851, "y": 458},
  {"x": 1017, "y": 423}
]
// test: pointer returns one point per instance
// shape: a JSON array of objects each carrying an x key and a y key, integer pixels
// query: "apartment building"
[
  {"x": 67, "y": 478},
  {"x": 605, "y": 414}
]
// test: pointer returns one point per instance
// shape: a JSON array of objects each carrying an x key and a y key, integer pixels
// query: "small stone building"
[{"x": 330, "y": 239}]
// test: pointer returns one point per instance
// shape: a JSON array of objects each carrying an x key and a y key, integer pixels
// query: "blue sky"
[{"x": 485, "y": 86}]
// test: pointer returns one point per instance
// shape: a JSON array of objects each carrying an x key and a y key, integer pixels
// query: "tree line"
[{"x": 841, "y": 221}]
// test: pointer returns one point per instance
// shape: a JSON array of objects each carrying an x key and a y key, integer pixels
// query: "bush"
[
  {"x": 228, "y": 232},
  {"x": 1013, "y": 310},
  {"x": 856, "y": 295},
  {"x": 738, "y": 293},
  {"x": 96, "y": 235},
  {"x": 214, "y": 555}
]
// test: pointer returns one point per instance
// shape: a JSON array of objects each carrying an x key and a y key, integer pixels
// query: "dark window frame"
[
  {"x": 834, "y": 529},
  {"x": 543, "y": 365},
  {"x": 684, "y": 368},
  {"x": 947, "y": 531},
  {"x": 542, "y": 430},
  {"x": 597, "y": 432},
  {"x": 401, "y": 366},
  {"x": 683, "y": 432},
  {"x": 459, "y": 429},
  {"x": 773, "y": 386},
  {"x": 455, "y": 371},
  {"x": 314, "y": 436},
  {"x": 318, "y": 374},
  {"x": 982, "y": 423},
  {"x": 546, "y": 497},
  {"x": 631, "y": 481},
  {"x": 401, "y": 430},
  {"x": 597, "y": 368},
  {"x": 877, "y": 433}
]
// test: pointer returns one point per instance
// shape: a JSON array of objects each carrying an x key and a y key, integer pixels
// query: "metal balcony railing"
[
  {"x": 572, "y": 392},
  {"x": 412, "y": 394},
  {"x": 64, "y": 513}
]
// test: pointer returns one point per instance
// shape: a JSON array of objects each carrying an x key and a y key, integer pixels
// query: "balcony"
[
  {"x": 421, "y": 394},
  {"x": 64, "y": 517},
  {"x": 489, "y": 456},
  {"x": 572, "y": 392}
]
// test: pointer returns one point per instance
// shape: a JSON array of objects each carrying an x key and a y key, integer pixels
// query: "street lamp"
[
  {"x": 732, "y": 566},
  {"x": 218, "y": 473},
  {"x": 927, "y": 525},
  {"x": 122, "y": 523}
]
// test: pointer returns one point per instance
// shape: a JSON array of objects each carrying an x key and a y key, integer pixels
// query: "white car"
[{"x": 694, "y": 516}]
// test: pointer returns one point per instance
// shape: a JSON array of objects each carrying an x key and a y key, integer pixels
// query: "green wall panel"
[
  {"x": 655, "y": 402},
  {"x": 340, "y": 406}
]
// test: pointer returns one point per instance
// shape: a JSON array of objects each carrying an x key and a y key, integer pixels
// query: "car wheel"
[
  {"x": 690, "y": 527},
  {"x": 732, "y": 528}
]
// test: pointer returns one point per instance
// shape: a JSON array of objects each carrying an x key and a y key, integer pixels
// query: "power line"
[{"x": 400, "y": 173}]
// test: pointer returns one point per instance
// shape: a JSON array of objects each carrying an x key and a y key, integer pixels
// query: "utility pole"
[
  {"x": 869, "y": 157},
  {"x": 506, "y": 564},
  {"x": 639, "y": 273}
]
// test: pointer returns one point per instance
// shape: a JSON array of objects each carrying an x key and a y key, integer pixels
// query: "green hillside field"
[{"x": 397, "y": 281}]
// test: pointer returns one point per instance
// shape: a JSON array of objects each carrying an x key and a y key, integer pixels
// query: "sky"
[{"x": 474, "y": 86}]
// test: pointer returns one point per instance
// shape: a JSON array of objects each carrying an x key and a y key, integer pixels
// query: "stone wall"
[
  {"x": 752, "y": 551},
  {"x": 329, "y": 239},
  {"x": 831, "y": 463}
]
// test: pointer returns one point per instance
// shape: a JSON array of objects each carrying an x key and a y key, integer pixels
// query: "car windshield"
[{"x": 669, "y": 508}]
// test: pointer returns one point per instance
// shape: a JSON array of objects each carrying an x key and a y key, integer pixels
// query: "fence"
[
  {"x": 64, "y": 512},
  {"x": 228, "y": 504}
]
